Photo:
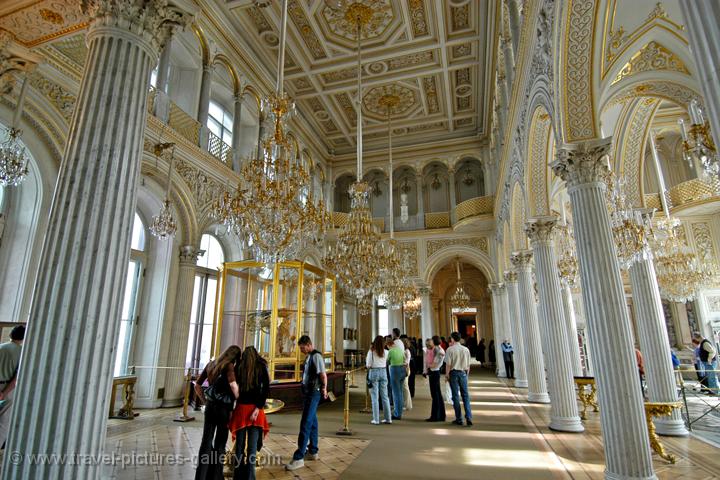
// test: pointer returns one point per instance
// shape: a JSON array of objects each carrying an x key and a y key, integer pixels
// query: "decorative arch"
[
  {"x": 204, "y": 45},
  {"x": 249, "y": 89},
  {"x": 540, "y": 140},
  {"x": 221, "y": 59},
  {"x": 468, "y": 254},
  {"x": 518, "y": 217}
]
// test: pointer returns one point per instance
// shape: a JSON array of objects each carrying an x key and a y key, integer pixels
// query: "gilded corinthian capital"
[
  {"x": 541, "y": 229},
  {"x": 583, "y": 162},
  {"x": 510, "y": 276},
  {"x": 14, "y": 60},
  {"x": 522, "y": 259}
]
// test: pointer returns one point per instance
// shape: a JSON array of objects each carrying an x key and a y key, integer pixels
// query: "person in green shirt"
[{"x": 396, "y": 360}]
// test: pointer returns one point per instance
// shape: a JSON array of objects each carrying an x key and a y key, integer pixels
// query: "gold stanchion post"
[
  {"x": 186, "y": 400},
  {"x": 345, "y": 429},
  {"x": 367, "y": 408},
  {"x": 352, "y": 370}
]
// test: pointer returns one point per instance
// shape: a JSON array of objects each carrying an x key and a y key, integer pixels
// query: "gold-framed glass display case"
[{"x": 271, "y": 307}]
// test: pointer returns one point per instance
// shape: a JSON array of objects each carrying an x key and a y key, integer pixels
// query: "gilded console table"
[
  {"x": 587, "y": 398},
  {"x": 659, "y": 409},
  {"x": 128, "y": 384}
]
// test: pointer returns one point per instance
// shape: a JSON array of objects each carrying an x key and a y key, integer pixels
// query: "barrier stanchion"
[
  {"x": 186, "y": 400},
  {"x": 367, "y": 408},
  {"x": 345, "y": 429},
  {"x": 352, "y": 369}
]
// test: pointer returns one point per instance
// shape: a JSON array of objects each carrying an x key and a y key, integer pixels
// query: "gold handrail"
[{"x": 474, "y": 206}]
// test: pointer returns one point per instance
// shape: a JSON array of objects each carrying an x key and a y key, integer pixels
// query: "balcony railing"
[
  {"x": 340, "y": 219},
  {"x": 693, "y": 191},
  {"x": 184, "y": 124},
  {"x": 219, "y": 149},
  {"x": 474, "y": 206},
  {"x": 652, "y": 200},
  {"x": 437, "y": 220}
]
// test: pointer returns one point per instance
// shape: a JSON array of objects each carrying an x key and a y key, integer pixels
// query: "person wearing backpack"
[{"x": 314, "y": 388}]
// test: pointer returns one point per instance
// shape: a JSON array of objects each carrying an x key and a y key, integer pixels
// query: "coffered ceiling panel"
[{"x": 436, "y": 55}]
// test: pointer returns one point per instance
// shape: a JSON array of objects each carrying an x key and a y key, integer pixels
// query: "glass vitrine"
[{"x": 270, "y": 307}]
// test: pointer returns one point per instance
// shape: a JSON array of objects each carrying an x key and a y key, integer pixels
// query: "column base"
[
  {"x": 538, "y": 397},
  {"x": 618, "y": 476},
  {"x": 521, "y": 383},
  {"x": 670, "y": 427},
  {"x": 566, "y": 424}
]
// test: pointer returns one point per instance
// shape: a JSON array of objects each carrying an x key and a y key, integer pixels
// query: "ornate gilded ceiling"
[{"x": 436, "y": 55}]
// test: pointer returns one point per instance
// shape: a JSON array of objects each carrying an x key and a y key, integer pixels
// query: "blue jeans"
[
  {"x": 247, "y": 442},
  {"x": 712, "y": 382},
  {"x": 379, "y": 381},
  {"x": 397, "y": 380},
  {"x": 308, "y": 426},
  {"x": 458, "y": 386}
]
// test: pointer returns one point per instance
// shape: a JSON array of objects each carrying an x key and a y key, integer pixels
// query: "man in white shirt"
[
  {"x": 457, "y": 359},
  {"x": 396, "y": 339}
]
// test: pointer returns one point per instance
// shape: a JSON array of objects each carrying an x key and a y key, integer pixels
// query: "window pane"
[
  {"x": 138, "y": 234},
  {"x": 153, "y": 77},
  {"x": 227, "y": 121},
  {"x": 120, "y": 353},
  {"x": 383, "y": 322},
  {"x": 127, "y": 315},
  {"x": 213, "y": 256},
  {"x": 214, "y": 126},
  {"x": 193, "y": 321},
  {"x": 216, "y": 111}
]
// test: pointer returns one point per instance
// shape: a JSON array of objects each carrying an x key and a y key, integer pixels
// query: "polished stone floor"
[{"x": 509, "y": 440}]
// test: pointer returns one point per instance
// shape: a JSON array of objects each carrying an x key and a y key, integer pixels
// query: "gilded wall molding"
[
  {"x": 538, "y": 144},
  {"x": 633, "y": 151},
  {"x": 434, "y": 246},
  {"x": 652, "y": 57}
]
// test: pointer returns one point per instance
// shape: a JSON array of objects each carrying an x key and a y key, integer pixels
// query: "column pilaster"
[
  {"x": 420, "y": 201},
  {"x": 73, "y": 325},
  {"x": 534, "y": 362},
  {"x": 515, "y": 23},
  {"x": 499, "y": 308},
  {"x": 571, "y": 325},
  {"x": 237, "y": 133},
  {"x": 204, "y": 103},
  {"x": 177, "y": 351},
  {"x": 561, "y": 386},
  {"x": 453, "y": 195},
  {"x": 511, "y": 282},
  {"x": 584, "y": 167},
  {"x": 426, "y": 314}
]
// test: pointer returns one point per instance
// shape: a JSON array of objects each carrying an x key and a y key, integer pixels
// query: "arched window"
[
  {"x": 220, "y": 122},
  {"x": 130, "y": 305},
  {"x": 203, "y": 305}
]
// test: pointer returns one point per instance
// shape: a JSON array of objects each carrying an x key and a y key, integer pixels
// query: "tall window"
[
  {"x": 383, "y": 321},
  {"x": 220, "y": 122},
  {"x": 203, "y": 304},
  {"x": 130, "y": 305}
]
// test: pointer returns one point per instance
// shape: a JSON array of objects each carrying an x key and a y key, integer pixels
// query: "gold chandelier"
[
  {"x": 567, "y": 256},
  {"x": 459, "y": 299},
  {"x": 629, "y": 226},
  {"x": 412, "y": 308},
  {"x": 273, "y": 210},
  {"x": 357, "y": 258},
  {"x": 698, "y": 145}
]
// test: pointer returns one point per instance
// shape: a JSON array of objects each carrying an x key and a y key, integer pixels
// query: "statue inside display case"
[{"x": 270, "y": 307}]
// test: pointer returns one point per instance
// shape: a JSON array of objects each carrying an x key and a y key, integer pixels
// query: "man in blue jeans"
[
  {"x": 457, "y": 359},
  {"x": 314, "y": 387}
]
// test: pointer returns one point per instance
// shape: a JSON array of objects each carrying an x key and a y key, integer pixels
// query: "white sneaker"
[
  {"x": 295, "y": 464},
  {"x": 387, "y": 421},
  {"x": 312, "y": 456},
  {"x": 374, "y": 422}
]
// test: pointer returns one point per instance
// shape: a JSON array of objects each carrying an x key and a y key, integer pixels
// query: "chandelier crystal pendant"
[
  {"x": 412, "y": 308},
  {"x": 13, "y": 157},
  {"x": 629, "y": 226},
  {"x": 699, "y": 149},
  {"x": 357, "y": 257},
  {"x": 459, "y": 299},
  {"x": 273, "y": 210},
  {"x": 163, "y": 224},
  {"x": 567, "y": 256}
]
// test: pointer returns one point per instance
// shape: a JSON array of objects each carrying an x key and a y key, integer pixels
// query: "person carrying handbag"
[
  {"x": 376, "y": 362},
  {"x": 219, "y": 402}
]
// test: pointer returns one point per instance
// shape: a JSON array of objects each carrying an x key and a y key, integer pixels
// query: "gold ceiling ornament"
[
  {"x": 163, "y": 224},
  {"x": 699, "y": 148},
  {"x": 273, "y": 209},
  {"x": 459, "y": 299},
  {"x": 651, "y": 57},
  {"x": 357, "y": 257}
]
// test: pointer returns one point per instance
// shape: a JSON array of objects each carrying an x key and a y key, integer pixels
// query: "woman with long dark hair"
[
  {"x": 219, "y": 400},
  {"x": 248, "y": 423},
  {"x": 376, "y": 361}
]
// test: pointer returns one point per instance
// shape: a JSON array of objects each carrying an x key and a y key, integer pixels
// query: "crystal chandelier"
[
  {"x": 680, "y": 274},
  {"x": 357, "y": 258},
  {"x": 629, "y": 226},
  {"x": 567, "y": 256},
  {"x": 163, "y": 224},
  {"x": 364, "y": 305},
  {"x": 411, "y": 308},
  {"x": 698, "y": 145},
  {"x": 13, "y": 158},
  {"x": 459, "y": 299},
  {"x": 273, "y": 210}
]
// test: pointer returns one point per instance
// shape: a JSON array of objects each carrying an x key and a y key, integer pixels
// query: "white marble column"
[
  {"x": 499, "y": 303},
  {"x": 571, "y": 326},
  {"x": 654, "y": 344},
  {"x": 516, "y": 327},
  {"x": 583, "y": 167},
  {"x": 426, "y": 314},
  {"x": 420, "y": 201},
  {"x": 162, "y": 101},
  {"x": 537, "y": 386},
  {"x": 204, "y": 104},
  {"x": 701, "y": 20},
  {"x": 395, "y": 319},
  {"x": 453, "y": 194},
  {"x": 177, "y": 350},
  {"x": 515, "y": 23},
  {"x": 68, "y": 356},
  {"x": 561, "y": 386},
  {"x": 237, "y": 132},
  {"x": 509, "y": 62}
]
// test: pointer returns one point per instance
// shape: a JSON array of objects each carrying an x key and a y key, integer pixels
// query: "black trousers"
[
  {"x": 212, "y": 445},
  {"x": 437, "y": 411},
  {"x": 510, "y": 368},
  {"x": 411, "y": 378}
]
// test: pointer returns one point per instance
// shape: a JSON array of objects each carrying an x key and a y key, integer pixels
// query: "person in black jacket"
[{"x": 248, "y": 423}]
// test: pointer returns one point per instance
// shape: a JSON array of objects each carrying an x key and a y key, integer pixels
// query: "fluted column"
[
  {"x": 511, "y": 283},
  {"x": 162, "y": 101},
  {"x": 426, "y": 314},
  {"x": 571, "y": 326},
  {"x": 654, "y": 344},
  {"x": 237, "y": 133},
  {"x": 561, "y": 386},
  {"x": 704, "y": 35},
  {"x": 537, "y": 386},
  {"x": 583, "y": 167},
  {"x": 499, "y": 303},
  {"x": 204, "y": 103},
  {"x": 177, "y": 351},
  {"x": 73, "y": 325}
]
